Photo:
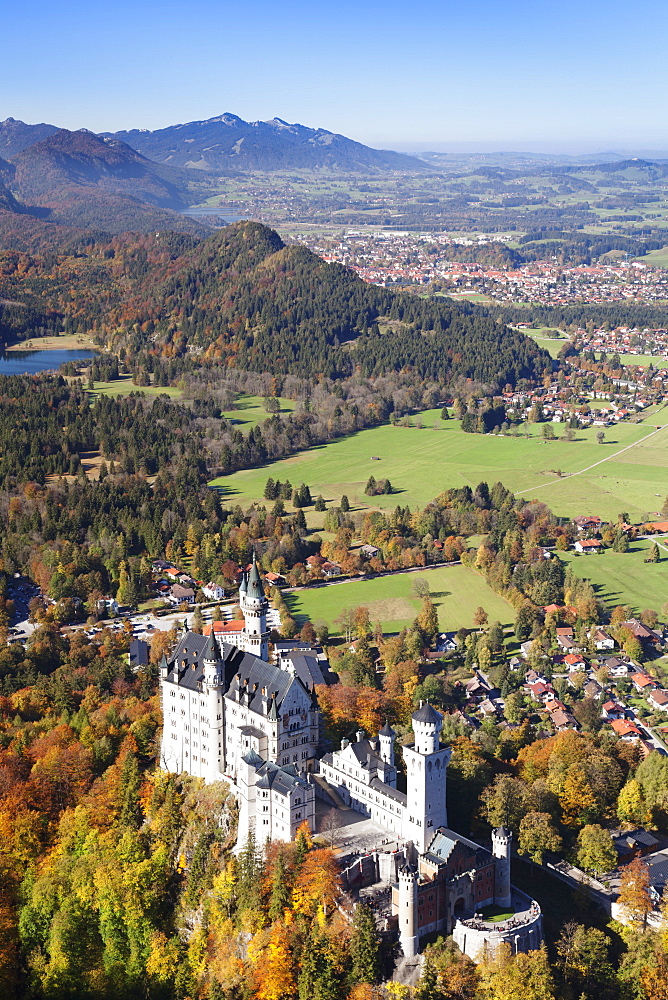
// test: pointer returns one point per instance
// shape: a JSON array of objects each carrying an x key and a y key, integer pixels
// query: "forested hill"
[
  {"x": 243, "y": 298},
  {"x": 78, "y": 179},
  {"x": 269, "y": 307}
]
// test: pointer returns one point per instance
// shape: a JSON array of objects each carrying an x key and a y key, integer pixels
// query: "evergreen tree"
[
  {"x": 197, "y": 622},
  {"x": 364, "y": 947},
  {"x": 427, "y": 988},
  {"x": 301, "y": 848},
  {"x": 318, "y": 979},
  {"x": 197, "y": 877},
  {"x": 320, "y": 503},
  {"x": 345, "y": 504},
  {"x": 250, "y": 870},
  {"x": 621, "y": 542},
  {"x": 270, "y": 490},
  {"x": 280, "y": 890},
  {"x": 130, "y": 813},
  {"x": 445, "y": 413}
]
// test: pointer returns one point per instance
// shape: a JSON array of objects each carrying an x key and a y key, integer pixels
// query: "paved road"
[{"x": 593, "y": 466}]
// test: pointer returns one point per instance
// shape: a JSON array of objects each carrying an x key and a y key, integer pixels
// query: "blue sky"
[{"x": 584, "y": 76}]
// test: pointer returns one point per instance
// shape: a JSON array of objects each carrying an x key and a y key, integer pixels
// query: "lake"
[{"x": 30, "y": 362}]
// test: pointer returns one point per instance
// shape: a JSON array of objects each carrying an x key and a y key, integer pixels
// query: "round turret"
[
  {"x": 427, "y": 725},
  {"x": 408, "y": 910},
  {"x": 386, "y": 741},
  {"x": 213, "y": 663},
  {"x": 501, "y": 843}
]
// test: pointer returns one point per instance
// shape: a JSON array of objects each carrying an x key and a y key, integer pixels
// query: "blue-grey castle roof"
[
  {"x": 426, "y": 713},
  {"x": 246, "y": 678}
]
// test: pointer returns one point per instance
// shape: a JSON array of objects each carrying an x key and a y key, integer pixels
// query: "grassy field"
[
  {"x": 644, "y": 360},
  {"x": 249, "y": 411},
  {"x": 548, "y": 344},
  {"x": 456, "y": 591},
  {"x": 657, "y": 258},
  {"x": 423, "y": 461},
  {"x": 66, "y": 342},
  {"x": 123, "y": 386},
  {"x": 625, "y": 577}
]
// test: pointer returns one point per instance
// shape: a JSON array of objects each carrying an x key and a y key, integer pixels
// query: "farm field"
[
  {"x": 421, "y": 462},
  {"x": 124, "y": 386},
  {"x": 625, "y": 577},
  {"x": 456, "y": 591}
]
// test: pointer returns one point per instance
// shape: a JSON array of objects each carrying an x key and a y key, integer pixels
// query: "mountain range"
[
  {"x": 228, "y": 142},
  {"x": 141, "y": 180}
]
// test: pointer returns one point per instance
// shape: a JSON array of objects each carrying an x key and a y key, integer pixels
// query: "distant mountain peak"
[{"x": 227, "y": 142}]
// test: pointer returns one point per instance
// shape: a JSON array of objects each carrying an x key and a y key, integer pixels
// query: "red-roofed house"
[
  {"x": 542, "y": 692},
  {"x": 626, "y": 730},
  {"x": 642, "y": 682},
  {"x": 588, "y": 546},
  {"x": 574, "y": 663},
  {"x": 611, "y": 710}
]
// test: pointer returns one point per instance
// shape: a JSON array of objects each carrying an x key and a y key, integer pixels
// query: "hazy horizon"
[
  {"x": 519, "y": 146},
  {"x": 569, "y": 78}
]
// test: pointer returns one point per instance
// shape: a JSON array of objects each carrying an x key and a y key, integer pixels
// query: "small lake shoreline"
[
  {"x": 68, "y": 342},
  {"x": 32, "y": 361}
]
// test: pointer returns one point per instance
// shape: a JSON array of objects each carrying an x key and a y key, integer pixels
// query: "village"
[{"x": 426, "y": 259}]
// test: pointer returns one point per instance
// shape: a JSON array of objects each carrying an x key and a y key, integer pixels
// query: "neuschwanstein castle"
[{"x": 230, "y": 714}]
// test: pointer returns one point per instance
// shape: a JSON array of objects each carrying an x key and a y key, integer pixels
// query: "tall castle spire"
[{"x": 254, "y": 606}]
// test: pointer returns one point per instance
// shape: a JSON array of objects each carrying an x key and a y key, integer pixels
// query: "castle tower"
[
  {"x": 213, "y": 664},
  {"x": 426, "y": 766},
  {"x": 408, "y": 911},
  {"x": 254, "y": 606},
  {"x": 386, "y": 740},
  {"x": 501, "y": 842},
  {"x": 214, "y": 676}
]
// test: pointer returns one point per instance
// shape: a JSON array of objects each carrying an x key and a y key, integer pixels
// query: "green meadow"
[
  {"x": 456, "y": 591},
  {"x": 123, "y": 386},
  {"x": 643, "y": 359},
  {"x": 421, "y": 462},
  {"x": 249, "y": 411},
  {"x": 550, "y": 344},
  {"x": 625, "y": 577}
]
